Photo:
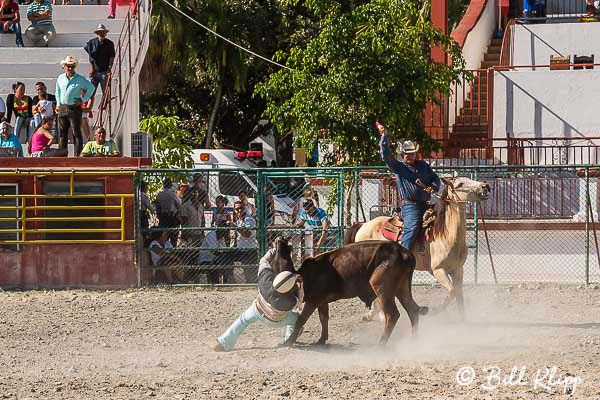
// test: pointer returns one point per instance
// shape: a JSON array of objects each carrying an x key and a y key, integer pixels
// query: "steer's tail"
[{"x": 350, "y": 234}]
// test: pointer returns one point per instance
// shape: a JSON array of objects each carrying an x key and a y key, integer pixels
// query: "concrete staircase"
[
  {"x": 74, "y": 26},
  {"x": 471, "y": 123}
]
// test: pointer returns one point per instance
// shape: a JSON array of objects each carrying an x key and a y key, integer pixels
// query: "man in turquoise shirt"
[
  {"x": 72, "y": 90},
  {"x": 7, "y": 139}
]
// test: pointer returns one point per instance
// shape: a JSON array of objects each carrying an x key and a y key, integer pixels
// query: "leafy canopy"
[{"x": 370, "y": 61}]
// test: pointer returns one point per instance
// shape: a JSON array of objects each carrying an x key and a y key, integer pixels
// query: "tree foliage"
[
  {"x": 169, "y": 145},
  {"x": 368, "y": 63}
]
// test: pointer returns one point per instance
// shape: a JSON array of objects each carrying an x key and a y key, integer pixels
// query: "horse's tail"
[{"x": 350, "y": 234}]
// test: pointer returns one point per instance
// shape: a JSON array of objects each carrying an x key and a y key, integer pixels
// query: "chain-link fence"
[{"x": 211, "y": 226}]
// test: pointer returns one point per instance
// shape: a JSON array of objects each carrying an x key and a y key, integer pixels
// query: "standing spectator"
[
  {"x": 190, "y": 218},
  {"x": 308, "y": 195},
  {"x": 7, "y": 139},
  {"x": 112, "y": 5},
  {"x": 100, "y": 147},
  {"x": 40, "y": 88},
  {"x": 101, "y": 52},
  {"x": 20, "y": 104},
  {"x": 220, "y": 214},
  {"x": 147, "y": 208},
  {"x": 10, "y": 20},
  {"x": 246, "y": 241},
  {"x": 314, "y": 219},
  {"x": 70, "y": 95},
  {"x": 199, "y": 191},
  {"x": 41, "y": 31},
  {"x": 168, "y": 205}
]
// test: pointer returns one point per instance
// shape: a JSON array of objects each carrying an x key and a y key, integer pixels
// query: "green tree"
[
  {"x": 368, "y": 62},
  {"x": 169, "y": 142}
]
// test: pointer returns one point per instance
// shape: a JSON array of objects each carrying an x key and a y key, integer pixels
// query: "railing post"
[
  {"x": 587, "y": 225},
  {"x": 340, "y": 222},
  {"x": 23, "y": 219},
  {"x": 356, "y": 193},
  {"x": 476, "y": 233},
  {"x": 129, "y": 46},
  {"x": 260, "y": 212}
]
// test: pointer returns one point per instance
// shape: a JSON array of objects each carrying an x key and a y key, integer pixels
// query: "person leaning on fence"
[
  {"x": 146, "y": 206},
  {"x": 415, "y": 180},
  {"x": 246, "y": 243},
  {"x": 314, "y": 218},
  {"x": 278, "y": 296},
  {"x": 167, "y": 209}
]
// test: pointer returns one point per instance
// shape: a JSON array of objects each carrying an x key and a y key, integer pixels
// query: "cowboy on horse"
[{"x": 415, "y": 179}]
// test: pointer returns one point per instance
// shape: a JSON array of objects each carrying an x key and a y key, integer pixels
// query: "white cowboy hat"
[
  {"x": 70, "y": 60},
  {"x": 409, "y": 147},
  {"x": 101, "y": 28},
  {"x": 284, "y": 281}
]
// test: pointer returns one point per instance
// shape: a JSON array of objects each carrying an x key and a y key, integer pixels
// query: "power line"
[{"x": 224, "y": 38}]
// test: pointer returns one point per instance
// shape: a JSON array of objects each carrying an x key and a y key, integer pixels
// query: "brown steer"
[{"x": 367, "y": 270}]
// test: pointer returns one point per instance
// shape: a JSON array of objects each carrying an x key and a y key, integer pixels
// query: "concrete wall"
[{"x": 535, "y": 43}]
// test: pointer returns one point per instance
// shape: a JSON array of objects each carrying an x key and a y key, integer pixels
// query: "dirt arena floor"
[{"x": 150, "y": 344}]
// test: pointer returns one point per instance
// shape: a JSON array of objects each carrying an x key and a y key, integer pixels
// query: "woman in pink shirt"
[{"x": 42, "y": 138}]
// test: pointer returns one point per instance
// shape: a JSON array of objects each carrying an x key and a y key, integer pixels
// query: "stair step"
[
  {"x": 473, "y": 112},
  {"x": 488, "y": 64},
  {"x": 18, "y": 71},
  {"x": 21, "y": 56},
  {"x": 470, "y": 129},
  {"x": 60, "y": 40},
  {"x": 496, "y": 42},
  {"x": 472, "y": 119},
  {"x": 495, "y": 57},
  {"x": 494, "y": 49}
]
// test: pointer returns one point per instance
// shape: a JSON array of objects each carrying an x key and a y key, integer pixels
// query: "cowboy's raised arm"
[{"x": 386, "y": 154}]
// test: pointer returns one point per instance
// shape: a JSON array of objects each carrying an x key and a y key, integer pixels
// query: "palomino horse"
[{"x": 448, "y": 248}]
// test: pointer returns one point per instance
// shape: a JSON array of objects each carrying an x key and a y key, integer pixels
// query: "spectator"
[
  {"x": 309, "y": 195},
  {"x": 10, "y": 20},
  {"x": 314, "y": 219},
  {"x": 112, "y": 5},
  {"x": 215, "y": 240},
  {"x": 147, "y": 208},
  {"x": 534, "y": 8},
  {"x": 246, "y": 241},
  {"x": 70, "y": 95},
  {"x": 100, "y": 147},
  {"x": 42, "y": 139},
  {"x": 161, "y": 254},
  {"x": 167, "y": 209},
  {"x": 220, "y": 214},
  {"x": 590, "y": 8},
  {"x": 40, "y": 88},
  {"x": 190, "y": 218},
  {"x": 199, "y": 191},
  {"x": 9, "y": 140},
  {"x": 101, "y": 53},
  {"x": 2, "y": 109},
  {"x": 44, "y": 108},
  {"x": 41, "y": 31},
  {"x": 86, "y": 111},
  {"x": 250, "y": 208},
  {"x": 20, "y": 104}
]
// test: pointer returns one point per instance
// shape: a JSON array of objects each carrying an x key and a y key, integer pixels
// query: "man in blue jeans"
[
  {"x": 415, "y": 179},
  {"x": 10, "y": 20},
  {"x": 277, "y": 296}
]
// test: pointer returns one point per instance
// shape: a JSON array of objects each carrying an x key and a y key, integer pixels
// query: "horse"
[
  {"x": 370, "y": 270},
  {"x": 448, "y": 248}
]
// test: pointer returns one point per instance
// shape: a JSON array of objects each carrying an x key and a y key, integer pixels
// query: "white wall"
[
  {"x": 538, "y": 104},
  {"x": 534, "y": 43},
  {"x": 474, "y": 49}
]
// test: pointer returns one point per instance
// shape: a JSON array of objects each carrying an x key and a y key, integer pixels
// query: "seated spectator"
[
  {"x": 7, "y": 139},
  {"x": 20, "y": 104},
  {"x": 10, "y": 20},
  {"x": 246, "y": 241},
  {"x": 42, "y": 139},
  {"x": 590, "y": 8},
  {"x": 100, "y": 147},
  {"x": 112, "y": 6},
  {"x": 161, "y": 255},
  {"x": 40, "y": 88},
  {"x": 41, "y": 31},
  {"x": 44, "y": 108}
]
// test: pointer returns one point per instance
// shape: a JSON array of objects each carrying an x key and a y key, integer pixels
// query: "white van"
[{"x": 220, "y": 181}]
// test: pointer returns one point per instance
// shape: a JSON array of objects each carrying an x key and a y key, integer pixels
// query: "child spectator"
[{"x": 45, "y": 108}]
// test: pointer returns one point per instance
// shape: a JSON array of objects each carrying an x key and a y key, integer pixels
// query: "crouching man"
[{"x": 278, "y": 296}]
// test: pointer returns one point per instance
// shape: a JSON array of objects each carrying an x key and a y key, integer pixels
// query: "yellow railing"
[{"x": 27, "y": 214}]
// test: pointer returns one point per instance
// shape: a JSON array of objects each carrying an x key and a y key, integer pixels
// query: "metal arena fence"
[{"x": 538, "y": 225}]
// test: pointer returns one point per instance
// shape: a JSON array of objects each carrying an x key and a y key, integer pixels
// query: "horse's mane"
[{"x": 439, "y": 225}]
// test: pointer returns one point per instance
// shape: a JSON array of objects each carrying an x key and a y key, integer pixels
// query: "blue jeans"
[
  {"x": 23, "y": 122},
  {"x": 250, "y": 316},
  {"x": 100, "y": 78},
  {"x": 412, "y": 215},
  {"x": 16, "y": 29}
]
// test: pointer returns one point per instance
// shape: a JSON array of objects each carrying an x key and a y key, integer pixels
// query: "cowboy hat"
[
  {"x": 284, "y": 282},
  {"x": 101, "y": 28},
  {"x": 409, "y": 147},
  {"x": 70, "y": 60}
]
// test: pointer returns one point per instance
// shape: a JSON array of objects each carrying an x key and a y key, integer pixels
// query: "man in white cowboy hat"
[
  {"x": 101, "y": 52},
  {"x": 41, "y": 31},
  {"x": 277, "y": 296},
  {"x": 72, "y": 90},
  {"x": 415, "y": 180}
]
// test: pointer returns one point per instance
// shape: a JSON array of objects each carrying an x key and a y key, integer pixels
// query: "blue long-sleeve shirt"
[
  {"x": 67, "y": 90},
  {"x": 407, "y": 175}
]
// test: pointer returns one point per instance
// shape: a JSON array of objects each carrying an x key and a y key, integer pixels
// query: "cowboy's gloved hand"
[{"x": 428, "y": 189}]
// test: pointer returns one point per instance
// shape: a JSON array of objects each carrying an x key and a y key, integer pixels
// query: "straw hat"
[
  {"x": 70, "y": 60},
  {"x": 409, "y": 147},
  {"x": 101, "y": 28}
]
